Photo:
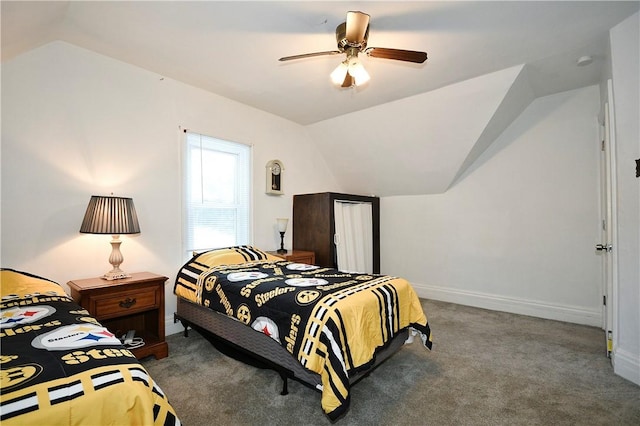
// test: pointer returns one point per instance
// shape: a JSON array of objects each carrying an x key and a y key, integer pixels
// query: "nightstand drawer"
[
  {"x": 118, "y": 304},
  {"x": 298, "y": 256},
  {"x": 308, "y": 259}
]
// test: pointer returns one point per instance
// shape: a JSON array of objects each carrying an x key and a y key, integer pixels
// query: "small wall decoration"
[{"x": 274, "y": 177}]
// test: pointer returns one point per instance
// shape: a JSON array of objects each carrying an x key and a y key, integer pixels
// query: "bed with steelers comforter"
[
  {"x": 60, "y": 366},
  {"x": 323, "y": 326}
]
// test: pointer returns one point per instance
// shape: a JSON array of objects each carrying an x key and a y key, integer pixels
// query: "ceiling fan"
[{"x": 352, "y": 37}]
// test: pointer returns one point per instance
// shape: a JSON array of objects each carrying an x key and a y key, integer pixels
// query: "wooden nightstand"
[
  {"x": 299, "y": 256},
  {"x": 135, "y": 303}
]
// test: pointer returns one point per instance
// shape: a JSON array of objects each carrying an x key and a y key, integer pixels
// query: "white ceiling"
[
  {"x": 430, "y": 122},
  {"x": 232, "y": 48}
]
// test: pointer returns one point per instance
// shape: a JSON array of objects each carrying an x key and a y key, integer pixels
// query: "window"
[{"x": 217, "y": 193}]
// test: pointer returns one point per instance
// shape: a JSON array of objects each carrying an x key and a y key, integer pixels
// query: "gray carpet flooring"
[{"x": 486, "y": 368}]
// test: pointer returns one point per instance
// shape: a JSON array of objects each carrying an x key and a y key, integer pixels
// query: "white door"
[
  {"x": 354, "y": 236},
  {"x": 607, "y": 246}
]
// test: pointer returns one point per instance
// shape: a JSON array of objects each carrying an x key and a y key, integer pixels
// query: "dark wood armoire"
[{"x": 314, "y": 225}]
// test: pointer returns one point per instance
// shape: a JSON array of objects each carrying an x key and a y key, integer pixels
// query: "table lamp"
[
  {"x": 115, "y": 216},
  {"x": 282, "y": 227}
]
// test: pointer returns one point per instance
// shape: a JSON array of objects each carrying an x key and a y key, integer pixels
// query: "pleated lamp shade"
[
  {"x": 114, "y": 216},
  {"x": 110, "y": 215}
]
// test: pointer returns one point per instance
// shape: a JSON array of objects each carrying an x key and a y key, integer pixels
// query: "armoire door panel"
[{"x": 314, "y": 225}]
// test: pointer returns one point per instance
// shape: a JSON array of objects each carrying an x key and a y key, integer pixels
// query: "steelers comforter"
[
  {"x": 332, "y": 322},
  {"x": 60, "y": 366}
]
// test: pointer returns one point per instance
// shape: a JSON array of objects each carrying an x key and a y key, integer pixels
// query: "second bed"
[{"x": 321, "y": 326}]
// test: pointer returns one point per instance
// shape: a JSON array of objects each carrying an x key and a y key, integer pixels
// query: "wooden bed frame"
[{"x": 262, "y": 348}]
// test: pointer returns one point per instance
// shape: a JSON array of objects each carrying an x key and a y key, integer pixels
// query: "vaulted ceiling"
[{"x": 497, "y": 56}]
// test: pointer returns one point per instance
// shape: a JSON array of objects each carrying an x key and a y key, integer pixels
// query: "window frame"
[{"x": 219, "y": 145}]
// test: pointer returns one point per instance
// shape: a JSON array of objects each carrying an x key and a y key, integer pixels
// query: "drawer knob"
[{"x": 127, "y": 303}]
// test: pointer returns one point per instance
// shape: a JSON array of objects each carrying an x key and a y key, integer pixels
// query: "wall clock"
[{"x": 274, "y": 177}]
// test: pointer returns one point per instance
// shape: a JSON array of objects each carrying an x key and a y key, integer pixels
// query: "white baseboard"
[
  {"x": 626, "y": 365},
  {"x": 485, "y": 301},
  {"x": 494, "y": 302}
]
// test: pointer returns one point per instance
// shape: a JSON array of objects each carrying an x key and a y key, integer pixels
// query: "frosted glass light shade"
[
  {"x": 354, "y": 67},
  {"x": 357, "y": 71},
  {"x": 282, "y": 224},
  {"x": 338, "y": 75}
]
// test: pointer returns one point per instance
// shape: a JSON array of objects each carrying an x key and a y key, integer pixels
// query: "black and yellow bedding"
[
  {"x": 60, "y": 366},
  {"x": 332, "y": 322}
]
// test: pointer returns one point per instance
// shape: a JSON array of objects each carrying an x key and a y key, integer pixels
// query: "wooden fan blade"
[
  {"x": 357, "y": 25},
  {"x": 397, "y": 54},
  {"x": 348, "y": 81},
  {"x": 309, "y": 55}
]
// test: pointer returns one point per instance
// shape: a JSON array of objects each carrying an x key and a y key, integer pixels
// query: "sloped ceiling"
[
  {"x": 412, "y": 122},
  {"x": 415, "y": 145}
]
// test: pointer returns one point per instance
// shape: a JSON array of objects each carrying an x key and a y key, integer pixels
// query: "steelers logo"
[
  {"x": 244, "y": 314},
  {"x": 301, "y": 267},
  {"x": 17, "y": 316},
  {"x": 209, "y": 283},
  {"x": 245, "y": 276},
  {"x": 306, "y": 282},
  {"x": 266, "y": 326},
  {"x": 364, "y": 277},
  {"x": 11, "y": 377},
  {"x": 304, "y": 297},
  {"x": 75, "y": 336}
]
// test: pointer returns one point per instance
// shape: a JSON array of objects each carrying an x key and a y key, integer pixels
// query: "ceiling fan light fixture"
[
  {"x": 352, "y": 37},
  {"x": 357, "y": 71}
]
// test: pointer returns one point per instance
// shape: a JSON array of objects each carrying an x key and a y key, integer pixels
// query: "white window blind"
[{"x": 217, "y": 193}]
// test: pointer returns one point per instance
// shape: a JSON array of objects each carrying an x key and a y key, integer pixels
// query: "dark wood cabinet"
[{"x": 314, "y": 225}]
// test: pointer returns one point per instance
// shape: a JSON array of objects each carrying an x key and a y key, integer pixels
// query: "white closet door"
[{"x": 354, "y": 236}]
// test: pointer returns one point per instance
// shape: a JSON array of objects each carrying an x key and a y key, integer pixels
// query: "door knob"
[{"x": 603, "y": 247}]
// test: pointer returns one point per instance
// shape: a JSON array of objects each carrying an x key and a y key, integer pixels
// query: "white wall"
[
  {"x": 625, "y": 64},
  {"x": 517, "y": 232},
  {"x": 75, "y": 123}
]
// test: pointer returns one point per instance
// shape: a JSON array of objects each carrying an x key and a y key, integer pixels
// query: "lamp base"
[
  {"x": 281, "y": 250},
  {"x": 115, "y": 275},
  {"x": 115, "y": 259}
]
